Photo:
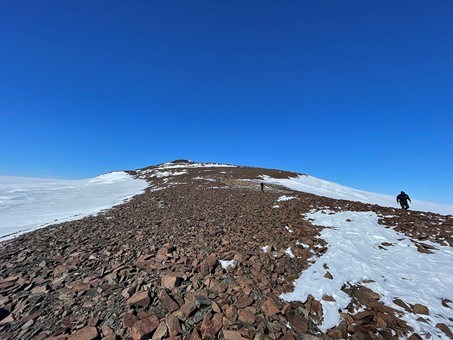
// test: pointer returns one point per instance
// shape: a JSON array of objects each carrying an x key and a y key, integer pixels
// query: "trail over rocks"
[{"x": 153, "y": 267}]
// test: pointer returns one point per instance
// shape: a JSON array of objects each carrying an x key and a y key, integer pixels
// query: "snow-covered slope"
[
  {"x": 29, "y": 203},
  {"x": 396, "y": 271},
  {"x": 325, "y": 188}
]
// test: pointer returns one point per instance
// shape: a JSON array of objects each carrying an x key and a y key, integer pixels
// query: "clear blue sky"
[{"x": 356, "y": 92}]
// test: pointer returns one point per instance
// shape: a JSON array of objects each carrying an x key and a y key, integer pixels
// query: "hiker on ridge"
[{"x": 402, "y": 199}]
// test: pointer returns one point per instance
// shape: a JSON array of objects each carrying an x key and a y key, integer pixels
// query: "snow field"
[
  {"x": 398, "y": 271},
  {"x": 29, "y": 203},
  {"x": 324, "y": 188}
]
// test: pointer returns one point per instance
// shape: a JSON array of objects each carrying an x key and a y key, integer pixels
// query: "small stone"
[
  {"x": 269, "y": 307},
  {"x": 39, "y": 290},
  {"x": 216, "y": 286},
  {"x": 361, "y": 315},
  {"x": 202, "y": 301},
  {"x": 287, "y": 337},
  {"x": 211, "y": 326},
  {"x": 170, "y": 281},
  {"x": 244, "y": 301},
  {"x": 27, "y": 324},
  {"x": 230, "y": 313},
  {"x": 185, "y": 311},
  {"x": 299, "y": 323},
  {"x": 328, "y": 276},
  {"x": 139, "y": 299},
  {"x": 335, "y": 334},
  {"x": 106, "y": 330},
  {"x": 381, "y": 323},
  {"x": 160, "y": 332},
  {"x": 232, "y": 335},
  {"x": 402, "y": 304},
  {"x": 109, "y": 337},
  {"x": 328, "y": 298},
  {"x": 444, "y": 328},
  {"x": 420, "y": 309},
  {"x": 143, "y": 329},
  {"x": 174, "y": 328},
  {"x": 215, "y": 307},
  {"x": 195, "y": 335},
  {"x": 79, "y": 286},
  {"x": 167, "y": 301},
  {"x": 246, "y": 316},
  {"x": 129, "y": 320},
  {"x": 86, "y": 333},
  {"x": 208, "y": 265}
]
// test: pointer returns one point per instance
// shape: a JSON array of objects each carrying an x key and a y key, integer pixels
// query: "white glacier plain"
[{"x": 30, "y": 203}]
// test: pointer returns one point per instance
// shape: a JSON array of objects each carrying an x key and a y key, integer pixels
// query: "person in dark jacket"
[{"x": 402, "y": 199}]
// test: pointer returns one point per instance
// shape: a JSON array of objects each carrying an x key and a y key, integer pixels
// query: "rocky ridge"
[{"x": 151, "y": 268}]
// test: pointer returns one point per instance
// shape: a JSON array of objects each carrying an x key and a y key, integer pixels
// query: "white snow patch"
[
  {"x": 29, "y": 203},
  {"x": 204, "y": 179},
  {"x": 227, "y": 264},
  {"x": 321, "y": 187},
  {"x": 287, "y": 228},
  {"x": 276, "y": 206},
  {"x": 160, "y": 174},
  {"x": 289, "y": 252},
  {"x": 285, "y": 198},
  {"x": 303, "y": 245},
  {"x": 194, "y": 165},
  {"x": 399, "y": 271},
  {"x": 265, "y": 249}
]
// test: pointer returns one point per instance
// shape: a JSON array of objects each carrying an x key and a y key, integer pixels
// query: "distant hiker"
[
  {"x": 402, "y": 199},
  {"x": 262, "y": 186}
]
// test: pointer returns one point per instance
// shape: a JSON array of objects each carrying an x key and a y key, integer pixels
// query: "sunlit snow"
[
  {"x": 227, "y": 264},
  {"x": 398, "y": 271},
  {"x": 289, "y": 252},
  {"x": 193, "y": 165},
  {"x": 325, "y": 188},
  {"x": 29, "y": 203},
  {"x": 285, "y": 198}
]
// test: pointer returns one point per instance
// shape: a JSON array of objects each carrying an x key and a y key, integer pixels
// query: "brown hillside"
[{"x": 149, "y": 268}]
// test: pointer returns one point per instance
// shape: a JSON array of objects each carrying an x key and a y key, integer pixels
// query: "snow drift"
[
  {"x": 29, "y": 203},
  {"x": 325, "y": 188}
]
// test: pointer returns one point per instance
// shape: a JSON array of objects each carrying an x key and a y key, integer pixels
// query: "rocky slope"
[{"x": 152, "y": 267}]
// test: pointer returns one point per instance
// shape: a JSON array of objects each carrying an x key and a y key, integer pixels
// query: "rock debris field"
[{"x": 204, "y": 254}]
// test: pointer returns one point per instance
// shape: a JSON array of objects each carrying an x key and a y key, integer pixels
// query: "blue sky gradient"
[{"x": 356, "y": 92}]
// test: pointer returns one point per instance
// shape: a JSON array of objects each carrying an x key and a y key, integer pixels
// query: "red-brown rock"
[
  {"x": 246, "y": 316},
  {"x": 160, "y": 332},
  {"x": 186, "y": 310},
  {"x": 299, "y": 323},
  {"x": 129, "y": 320},
  {"x": 139, "y": 299},
  {"x": 86, "y": 333},
  {"x": 170, "y": 281},
  {"x": 232, "y": 335},
  {"x": 143, "y": 329},
  {"x": 167, "y": 301},
  {"x": 211, "y": 326},
  {"x": 270, "y": 307},
  {"x": 174, "y": 328},
  {"x": 244, "y": 301},
  {"x": 420, "y": 309},
  {"x": 209, "y": 264}
]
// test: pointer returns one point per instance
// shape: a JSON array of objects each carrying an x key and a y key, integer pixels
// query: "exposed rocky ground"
[{"x": 150, "y": 268}]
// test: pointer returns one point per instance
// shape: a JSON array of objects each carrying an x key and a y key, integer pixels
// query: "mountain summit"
[{"x": 213, "y": 250}]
